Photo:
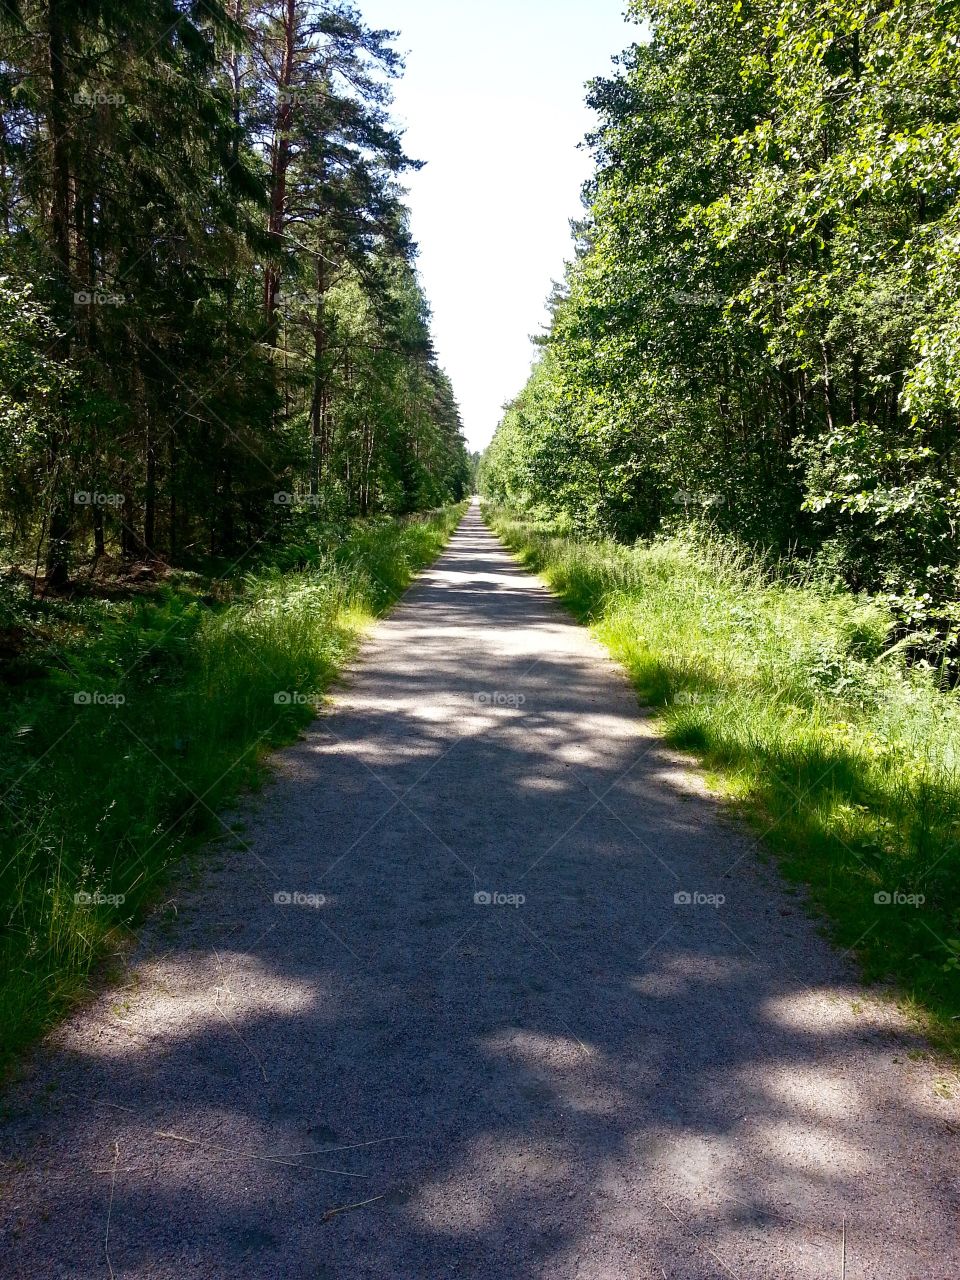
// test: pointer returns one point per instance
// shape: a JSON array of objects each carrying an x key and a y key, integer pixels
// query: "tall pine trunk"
[
  {"x": 60, "y": 532},
  {"x": 279, "y": 167}
]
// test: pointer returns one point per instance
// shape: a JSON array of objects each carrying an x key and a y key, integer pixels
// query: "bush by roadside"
[
  {"x": 844, "y": 758},
  {"x": 127, "y": 723}
]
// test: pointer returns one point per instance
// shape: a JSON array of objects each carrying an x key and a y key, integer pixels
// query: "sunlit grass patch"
[
  {"x": 846, "y": 760},
  {"x": 127, "y": 726}
]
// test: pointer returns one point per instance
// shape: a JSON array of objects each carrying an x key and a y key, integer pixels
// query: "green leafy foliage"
[
  {"x": 126, "y": 725},
  {"x": 760, "y": 327},
  {"x": 845, "y": 760},
  {"x": 209, "y": 304}
]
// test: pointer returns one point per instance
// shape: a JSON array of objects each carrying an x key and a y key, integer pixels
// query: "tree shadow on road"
[{"x": 542, "y": 1012}]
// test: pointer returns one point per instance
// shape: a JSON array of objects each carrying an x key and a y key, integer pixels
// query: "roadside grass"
[
  {"x": 126, "y": 725},
  {"x": 843, "y": 758}
]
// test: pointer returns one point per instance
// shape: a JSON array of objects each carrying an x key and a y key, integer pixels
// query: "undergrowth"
[
  {"x": 126, "y": 724},
  {"x": 843, "y": 757}
]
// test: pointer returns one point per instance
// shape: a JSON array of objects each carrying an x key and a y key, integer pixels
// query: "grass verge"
[
  {"x": 845, "y": 760},
  {"x": 126, "y": 724}
]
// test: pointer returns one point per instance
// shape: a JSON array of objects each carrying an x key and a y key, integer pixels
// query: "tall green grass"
[
  {"x": 124, "y": 727},
  {"x": 845, "y": 759}
]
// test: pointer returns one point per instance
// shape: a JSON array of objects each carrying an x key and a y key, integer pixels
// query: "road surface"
[{"x": 487, "y": 988}]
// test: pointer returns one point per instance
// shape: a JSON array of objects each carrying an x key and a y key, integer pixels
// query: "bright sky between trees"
[{"x": 493, "y": 100}]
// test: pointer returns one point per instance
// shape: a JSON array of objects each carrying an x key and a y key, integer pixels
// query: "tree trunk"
[
  {"x": 150, "y": 494},
  {"x": 278, "y": 169},
  {"x": 98, "y": 544},
  {"x": 318, "y": 406},
  {"x": 60, "y": 533},
  {"x": 172, "y": 486},
  {"x": 59, "y": 128}
]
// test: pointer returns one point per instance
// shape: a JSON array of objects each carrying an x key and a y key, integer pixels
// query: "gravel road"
[{"x": 532, "y": 1009}]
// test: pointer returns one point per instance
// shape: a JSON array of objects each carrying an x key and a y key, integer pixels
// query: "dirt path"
[{"x": 486, "y": 1021}]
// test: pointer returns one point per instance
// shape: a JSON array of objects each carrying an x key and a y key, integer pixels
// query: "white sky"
[{"x": 492, "y": 99}]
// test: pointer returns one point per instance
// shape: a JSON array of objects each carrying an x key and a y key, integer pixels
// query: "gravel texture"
[{"x": 581, "y": 1077}]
